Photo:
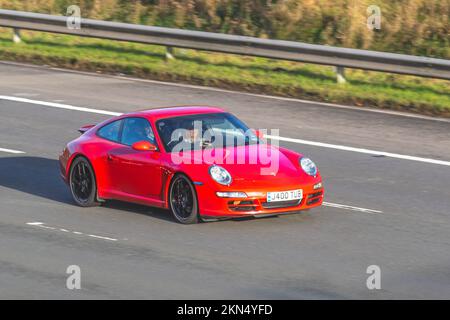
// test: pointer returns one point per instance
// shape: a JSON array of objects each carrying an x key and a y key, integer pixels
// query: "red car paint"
[{"x": 124, "y": 173}]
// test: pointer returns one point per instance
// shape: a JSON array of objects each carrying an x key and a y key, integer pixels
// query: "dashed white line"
[
  {"x": 101, "y": 237},
  {"x": 11, "y": 151},
  {"x": 351, "y": 208},
  {"x": 34, "y": 223},
  {"x": 42, "y": 225}
]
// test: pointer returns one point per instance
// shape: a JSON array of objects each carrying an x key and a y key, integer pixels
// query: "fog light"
[
  {"x": 317, "y": 186},
  {"x": 231, "y": 194}
]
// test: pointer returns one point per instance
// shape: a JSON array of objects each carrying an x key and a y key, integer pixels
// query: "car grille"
[
  {"x": 252, "y": 205},
  {"x": 280, "y": 204}
]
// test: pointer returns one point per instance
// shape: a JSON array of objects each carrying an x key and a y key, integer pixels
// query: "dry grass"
[{"x": 419, "y": 27}]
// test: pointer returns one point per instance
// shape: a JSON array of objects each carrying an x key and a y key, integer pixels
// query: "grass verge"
[{"x": 258, "y": 75}]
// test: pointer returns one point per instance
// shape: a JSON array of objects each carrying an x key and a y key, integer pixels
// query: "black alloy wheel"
[
  {"x": 183, "y": 200},
  {"x": 82, "y": 183}
]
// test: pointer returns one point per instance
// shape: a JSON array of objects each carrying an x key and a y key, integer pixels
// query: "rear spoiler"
[{"x": 85, "y": 128}]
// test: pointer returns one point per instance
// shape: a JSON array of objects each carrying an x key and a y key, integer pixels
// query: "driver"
[
  {"x": 189, "y": 138},
  {"x": 191, "y": 134}
]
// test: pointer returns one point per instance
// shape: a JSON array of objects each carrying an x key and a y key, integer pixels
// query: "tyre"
[
  {"x": 83, "y": 185},
  {"x": 183, "y": 200}
]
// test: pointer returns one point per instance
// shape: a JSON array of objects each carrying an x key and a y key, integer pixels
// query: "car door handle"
[{"x": 111, "y": 157}]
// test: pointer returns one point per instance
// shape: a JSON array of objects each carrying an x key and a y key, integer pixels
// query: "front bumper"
[{"x": 212, "y": 206}]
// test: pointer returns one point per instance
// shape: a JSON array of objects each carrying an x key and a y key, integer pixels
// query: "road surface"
[{"x": 391, "y": 210}]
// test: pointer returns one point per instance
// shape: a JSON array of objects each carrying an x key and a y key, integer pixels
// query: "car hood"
[{"x": 260, "y": 165}]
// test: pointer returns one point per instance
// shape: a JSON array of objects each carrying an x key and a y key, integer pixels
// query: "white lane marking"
[
  {"x": 100, "y": 237},
  {"x": 360, "y": 150},
  {"x": 42, "y": 225},
  {"x": 11, "y": 151},
  {"x": 300, "y": 141},
  {"x": 207, "y": 88},
  {"x": 352, "y": 208},
  {"x": 58, "y": 105},
  {"x": 35, "y": 223}
]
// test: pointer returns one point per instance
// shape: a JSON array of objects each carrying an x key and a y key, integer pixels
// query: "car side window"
[
  {"x": 137, "y": 129},
  {"x": 111, "y": 131}
]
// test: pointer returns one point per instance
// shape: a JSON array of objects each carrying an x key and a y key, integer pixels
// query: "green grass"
[{"x": 365, "y": 89}]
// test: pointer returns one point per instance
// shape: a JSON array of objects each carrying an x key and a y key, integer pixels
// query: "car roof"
[{"x": 168, "y": 112}]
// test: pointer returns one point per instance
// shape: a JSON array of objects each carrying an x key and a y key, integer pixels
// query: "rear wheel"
[
  {"x": 183, "y": 200},
  {"x": 82, "y": 183}
]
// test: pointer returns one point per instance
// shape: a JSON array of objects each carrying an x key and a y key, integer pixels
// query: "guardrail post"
[
  {"x": 169, "y": 53},
  {"x": 340, "y": 75},
  {"x": 16, "y": 35}
]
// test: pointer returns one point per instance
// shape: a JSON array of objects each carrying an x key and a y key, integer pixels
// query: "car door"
[
  {"x": 109, "y": 140},
  {"x": 136, "y": 173}
]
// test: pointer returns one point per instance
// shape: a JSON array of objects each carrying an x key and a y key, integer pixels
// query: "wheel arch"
[
  {"x": 168, "y": 183},
  {"x": 69, "y": 167}
]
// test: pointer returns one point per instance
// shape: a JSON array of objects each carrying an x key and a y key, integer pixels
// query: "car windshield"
[{"x": 212, "y": 130}]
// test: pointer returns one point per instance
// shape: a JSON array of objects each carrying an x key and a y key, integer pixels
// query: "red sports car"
[{"x": 199, "y": 162}]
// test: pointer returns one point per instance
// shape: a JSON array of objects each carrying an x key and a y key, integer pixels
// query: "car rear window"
[{"x": 110, "y": 131}]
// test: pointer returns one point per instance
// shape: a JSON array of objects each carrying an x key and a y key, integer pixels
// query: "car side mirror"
[{"x": 144, "y": 146}]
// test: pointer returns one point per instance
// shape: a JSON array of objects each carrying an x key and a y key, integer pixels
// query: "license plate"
[{"x": 285, "y": 195}]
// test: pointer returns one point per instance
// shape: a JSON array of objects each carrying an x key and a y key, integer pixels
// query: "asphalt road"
[{"x": 129, "y": 251}]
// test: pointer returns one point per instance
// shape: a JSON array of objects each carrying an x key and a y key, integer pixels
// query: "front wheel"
[
  {"x": 183, "y": 200},
  {"x": 82, "y": 183}
]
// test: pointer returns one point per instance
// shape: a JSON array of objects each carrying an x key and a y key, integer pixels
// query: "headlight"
[
  {"x": 308, "y": 166},
  {"x": 220, "y": 175}
]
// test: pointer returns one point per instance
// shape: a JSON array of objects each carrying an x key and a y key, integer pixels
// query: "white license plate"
[{"x": 285, "y": 195}]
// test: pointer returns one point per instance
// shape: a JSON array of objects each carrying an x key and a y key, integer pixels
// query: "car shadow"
[
  {"x": 34, "y": 175},
  {"x": 40, "y": 177},
  {"x": 159, "y": 213}
]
